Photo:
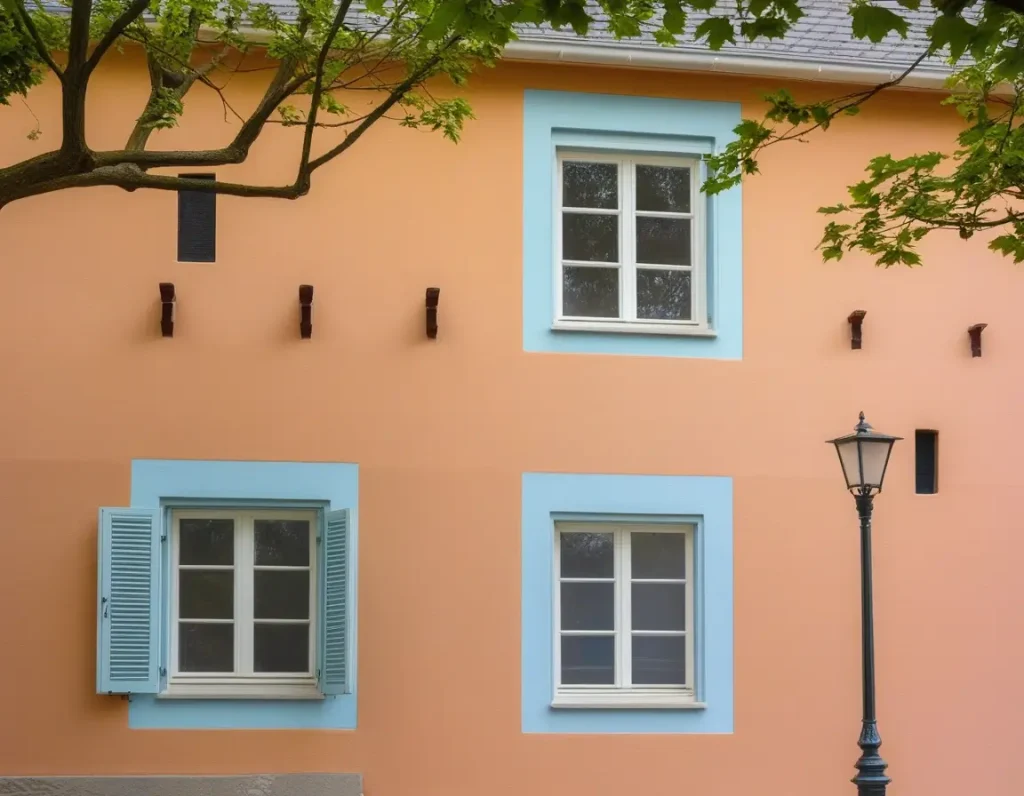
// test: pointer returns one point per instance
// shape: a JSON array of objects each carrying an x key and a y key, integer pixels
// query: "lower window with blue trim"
[
  {"x": 627, "y": 603},
  {"x": 227, "y": 588}
]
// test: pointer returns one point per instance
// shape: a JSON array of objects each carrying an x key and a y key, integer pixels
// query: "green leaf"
[
  {"x": 954, "y": 32},
  {"x": 875, "y": 22},
  {"x": 717, "y": 31},
  {"x": 765, "y": 28},
  {"x": 445, "y": 14},
  {"x": 1009, "y": 246},
  {"x": 664, "y": 38},
  {"x": 674, "y": 21}
]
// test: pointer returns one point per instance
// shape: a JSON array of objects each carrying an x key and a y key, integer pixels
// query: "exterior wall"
[{"x": 444, "y": 430}]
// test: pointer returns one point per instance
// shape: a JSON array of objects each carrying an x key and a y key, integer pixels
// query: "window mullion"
[
  {"x": 173, "y": 634},
  {"x": 626, "y": 645},
  {"x": 314, "y": 603},
  {"x": 691, "y": 630},
  {"x": 628, "y": 243},
  {"x": 244, "y": 596},
  {"x": 557, "y": 239},
  {"x": 558, "y": 611},
  {"x": 698, "y": 248}
]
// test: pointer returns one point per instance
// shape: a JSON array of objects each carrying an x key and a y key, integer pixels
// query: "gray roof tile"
[{"x": 823, "y": 34}]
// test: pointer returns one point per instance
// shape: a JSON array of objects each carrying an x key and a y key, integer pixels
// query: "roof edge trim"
[{"x": 641, "y": 57}]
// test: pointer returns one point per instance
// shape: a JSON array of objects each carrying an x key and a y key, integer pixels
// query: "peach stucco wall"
[{"x": 442, "y": 431}]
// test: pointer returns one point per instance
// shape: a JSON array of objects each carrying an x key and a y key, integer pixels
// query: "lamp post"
[{"x": 864, "y": 456}]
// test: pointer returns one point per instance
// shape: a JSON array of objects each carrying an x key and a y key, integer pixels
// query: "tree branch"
[
  {"x": 1012, "y": 5},
  {"x": 25, "y": 19},
  {"x": 142, "y": 130},
  {"x": 318, "y": 87},
  {"x": 81, "y": 12},
  {"x": 233, "y": 153},
  {"x": 133, "y": 12},
  {"x": 75, "y": 82},
  {"x": 131, "y": 178},
  {"x": 400, "y": 91}
]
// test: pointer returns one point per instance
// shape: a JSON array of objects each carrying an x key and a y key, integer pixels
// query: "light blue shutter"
[
  {"x": 129, "y": 582},
  {"x": 334, "y": 612}
]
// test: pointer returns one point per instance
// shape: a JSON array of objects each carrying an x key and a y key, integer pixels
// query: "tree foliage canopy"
[{"x": 316, "y": 54}]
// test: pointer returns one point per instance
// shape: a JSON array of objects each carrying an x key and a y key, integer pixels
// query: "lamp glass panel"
[
  {"x": 849, "y": 459},
  {"x": 875, "y": 455}
]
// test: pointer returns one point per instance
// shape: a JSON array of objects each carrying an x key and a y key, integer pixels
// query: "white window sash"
[
  {"x": 290, "y": 684},
  {"x": 623, "y": 693},
  {"x": 627, "y": 261}
]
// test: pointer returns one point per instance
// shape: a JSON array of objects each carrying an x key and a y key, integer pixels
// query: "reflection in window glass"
[
  {"x": 624, "y": 616},
  {"x": 643, "y": 216},
  {"x": 245, "y": 597}
]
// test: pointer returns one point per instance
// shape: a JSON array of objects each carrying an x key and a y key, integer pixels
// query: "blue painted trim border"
[
  {"x": 631, "y": 124},
  {"x": 648, "y": 498},
  {"x": 167, "y": 483}
]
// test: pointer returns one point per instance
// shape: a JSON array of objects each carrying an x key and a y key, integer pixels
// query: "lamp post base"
[{"x": 870, "y": 779}]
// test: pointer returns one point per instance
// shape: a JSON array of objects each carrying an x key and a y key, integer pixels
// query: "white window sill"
[
  {"x": 633, "y": 327},
  {"x": 627, "y": 700},
  {"x": 241, "y": 690}
]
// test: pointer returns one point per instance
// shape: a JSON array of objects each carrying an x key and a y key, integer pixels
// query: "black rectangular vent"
[
  {"x": 197, "y": 224},
  {"x": 926, "y": 451}
]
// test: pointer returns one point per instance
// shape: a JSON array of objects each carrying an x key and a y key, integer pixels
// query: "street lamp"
[{"x": 864, "y": 456}]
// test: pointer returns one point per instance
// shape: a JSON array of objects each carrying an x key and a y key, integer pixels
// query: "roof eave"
[{"x": 761, "y": 65}]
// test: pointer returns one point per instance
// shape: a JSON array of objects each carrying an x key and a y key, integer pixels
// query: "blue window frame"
[
  {"x": 160, "y": 487},
  {"x": 702, "y": 502},
  {"x": 636, "y": 130}
]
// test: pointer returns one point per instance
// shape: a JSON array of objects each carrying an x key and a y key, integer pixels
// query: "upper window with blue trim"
[
  {"x": 622, "y": 251},
  {"x": 630, "y": 244}
]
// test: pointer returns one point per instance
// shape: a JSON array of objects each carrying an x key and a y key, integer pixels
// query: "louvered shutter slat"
[
  {"x": 129, "y": 582},
  {"x": 334, "y": 618}
]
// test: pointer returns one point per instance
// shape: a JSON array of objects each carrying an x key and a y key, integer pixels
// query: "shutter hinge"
[
  {"x": 163, "y": 671},
  {"x": 163, "y": 536},
  {"x": 318, "y": 674}
]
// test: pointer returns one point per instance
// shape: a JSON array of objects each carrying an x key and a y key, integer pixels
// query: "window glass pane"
[
  {"x": 659, "y": 606},
  {"x": 280, "y": 648},
  {"x": 281, "y": 594},
  {"x": 663, "y": 241},
  {"x": 658, "y": 555},
  {"x": 204, "y": 594},
  {"x": 206, "y": 648},
  {"x": 663, "y": 295},
  {"x": 588, "y": 660},
  {"x": 590, "y": 292},
  {"x": 590, "y": 237},
  {"x": 659, "y": 660},
  {"x": 206, "y": 541},
  {"x": 590, "y": 185},
  {"x": 282, "y": 543},
  {"x": 587, "y": 555},
  {"x": 663, "y": 188},
  {"x": 588, "y": 606}
]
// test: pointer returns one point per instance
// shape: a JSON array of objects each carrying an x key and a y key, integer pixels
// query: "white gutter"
[{"x": 662, "y": 58}]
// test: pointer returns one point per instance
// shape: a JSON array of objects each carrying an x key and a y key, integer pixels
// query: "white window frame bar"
[
  {"x": 243, "y": 683},
  {"x": 623, "y": 693},
  {"x": 627, "y": 213}
]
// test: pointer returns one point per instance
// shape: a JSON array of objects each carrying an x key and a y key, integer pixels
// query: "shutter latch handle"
[{"x": 106, "y": 606}]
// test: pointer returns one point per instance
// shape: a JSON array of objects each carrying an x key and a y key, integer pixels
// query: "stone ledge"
[{"x": 257, "y": 785}]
